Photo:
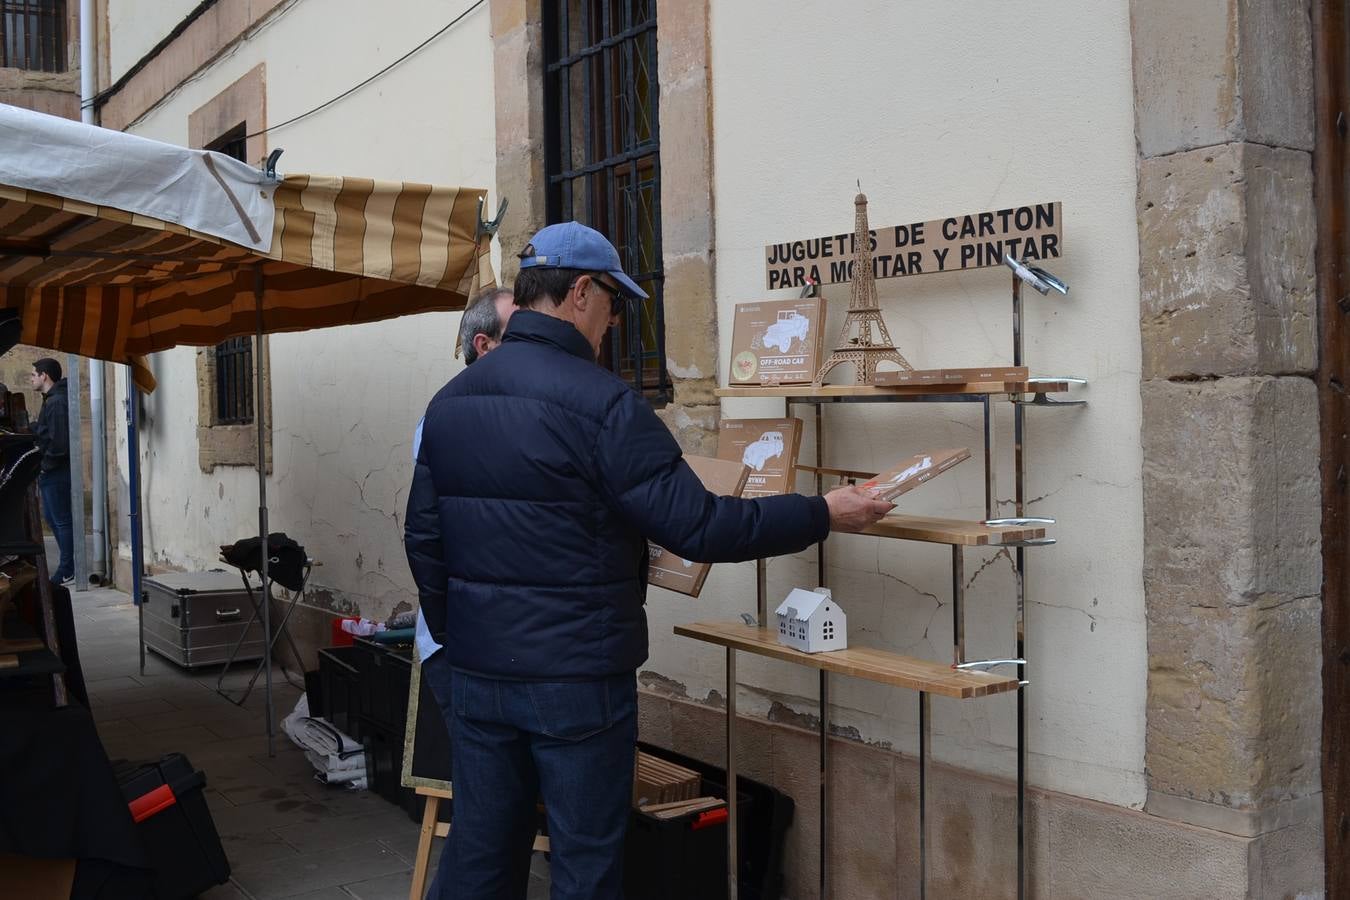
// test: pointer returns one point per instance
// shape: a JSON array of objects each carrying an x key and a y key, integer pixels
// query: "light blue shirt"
[{"x": 426, "y": 644}]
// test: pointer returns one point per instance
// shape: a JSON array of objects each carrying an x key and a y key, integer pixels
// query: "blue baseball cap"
[{"x": 571, "y": 245}]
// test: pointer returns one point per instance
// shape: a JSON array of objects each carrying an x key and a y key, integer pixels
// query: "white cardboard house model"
[{"x": 812, "y": 622}]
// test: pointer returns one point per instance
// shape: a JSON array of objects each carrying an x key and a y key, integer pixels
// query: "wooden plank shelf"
[
  {"x": 952, "y": 531},
  {"x": 858, "y": 662},
  {"x": 30, "y": 662},
  {"x": 809, "y": 393}
]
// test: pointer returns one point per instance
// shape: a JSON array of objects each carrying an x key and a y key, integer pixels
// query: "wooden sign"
[
  {"x": 777, "y": 341},
  {"x": 913, "y": 471},
  {"x": 975, "y": 241},
  {"x": 767, "y": 447},
  {"x": 665, "y": 569}
]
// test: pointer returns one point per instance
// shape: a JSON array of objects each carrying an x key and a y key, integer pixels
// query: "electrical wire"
[{"x": 327, "y": 103}]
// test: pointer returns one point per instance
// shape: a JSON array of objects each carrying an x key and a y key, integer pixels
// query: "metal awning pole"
[
  {"x": 260, "y": 421},
  {"x": 134, "y": 507}
]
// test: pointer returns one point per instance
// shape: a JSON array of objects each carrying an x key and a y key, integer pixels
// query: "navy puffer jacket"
[{"x": 540, "y": 478}]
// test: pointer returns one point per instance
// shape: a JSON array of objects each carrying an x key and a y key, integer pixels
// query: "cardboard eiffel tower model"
[{"x": 857, "y": 343}]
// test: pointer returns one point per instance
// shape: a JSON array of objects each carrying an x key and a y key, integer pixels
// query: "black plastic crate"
[
  {"x": 675, "y": 859},
  {"x": 341, "y": 689},
  {"x": 181, "y": 843},
  {"x": 384, "y": 770},
  {"x": 763, "y": 817},
  {"x": 386, "y": 674}
]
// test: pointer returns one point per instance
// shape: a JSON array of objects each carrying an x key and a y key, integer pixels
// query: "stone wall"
[
  {"x": 1077, "y": 848},
  {"x": 1230, "y": 436}
]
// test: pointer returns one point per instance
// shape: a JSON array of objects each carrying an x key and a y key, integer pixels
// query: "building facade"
[{"x": 1174, "y": 631}]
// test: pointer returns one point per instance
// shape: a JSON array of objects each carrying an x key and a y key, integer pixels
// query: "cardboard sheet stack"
[
  {"x": 666, "y": 790},
  {"x": 336, "y": 757}
]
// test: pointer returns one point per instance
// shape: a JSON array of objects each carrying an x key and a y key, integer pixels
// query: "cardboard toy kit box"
[
  {"x": 726, "y": 478},
  {"x": 913, "y": 471},
  {"x": 767, "y": 447},
  {"x": 777, "y": 341}
]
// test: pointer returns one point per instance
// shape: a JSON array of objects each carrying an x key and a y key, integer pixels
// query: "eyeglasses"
[{"x": 616, "y": 300}]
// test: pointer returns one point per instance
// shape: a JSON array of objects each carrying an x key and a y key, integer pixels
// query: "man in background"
[
  {"x": 53, "y": 437},
  {"x": 480, "y": 331}
]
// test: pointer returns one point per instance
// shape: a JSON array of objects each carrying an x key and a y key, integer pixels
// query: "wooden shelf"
[
  {"x": 807, "y": 392},
  {"x": 953, "y": 531},
  {"x": 859, "y": 662},
  {"x": 31, "y": 662}
]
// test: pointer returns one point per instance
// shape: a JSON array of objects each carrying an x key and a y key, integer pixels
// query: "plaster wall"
[
  {"x": 940, "y": 110},
  {"x": 344, "y": 401},
  {"x": 136, "y": 26}
]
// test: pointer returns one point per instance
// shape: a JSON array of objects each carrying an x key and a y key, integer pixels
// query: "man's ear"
[
  {"x": 582, "y": 291},
  {"x": 481, "y": 343}
]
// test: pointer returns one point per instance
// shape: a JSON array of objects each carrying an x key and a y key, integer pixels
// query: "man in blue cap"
[{"x": 540, "y": 478}]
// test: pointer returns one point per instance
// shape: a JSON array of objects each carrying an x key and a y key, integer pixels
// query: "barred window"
[
  {"x": 33, "y": 35},
  {"x": 234, "y": 357},
  {"x": 603, "y": 161}
]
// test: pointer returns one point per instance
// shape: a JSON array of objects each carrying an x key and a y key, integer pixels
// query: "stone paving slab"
[{"x": 286, "y": 835}]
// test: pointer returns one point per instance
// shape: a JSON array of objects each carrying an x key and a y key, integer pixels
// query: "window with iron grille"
[
  {"x": 603, "y": 161},
  {"x": 234, "y": 381},
  {"x": 33, "y": 35},
  {"x": 234, "y": 357}
]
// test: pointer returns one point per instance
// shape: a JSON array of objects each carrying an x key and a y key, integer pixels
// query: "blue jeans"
[
  {"x": 573, "y": 743},
  {"x": 55, "y": 489}
]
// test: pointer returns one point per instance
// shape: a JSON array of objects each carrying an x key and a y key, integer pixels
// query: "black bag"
[
  {"x": 285, "y": 559},
  {"x": 169, "y": 807}
]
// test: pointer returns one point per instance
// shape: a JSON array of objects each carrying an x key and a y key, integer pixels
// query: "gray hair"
[{"x": 480, "y": 317}]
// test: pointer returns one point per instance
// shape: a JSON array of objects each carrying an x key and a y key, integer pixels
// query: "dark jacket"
[
  {"x": 53, "y": 429},
  {"x": 540, "y": 478}
]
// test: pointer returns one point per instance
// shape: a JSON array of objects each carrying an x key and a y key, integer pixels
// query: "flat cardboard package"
[
  {"x": 777, "y": 341},
  {"x": 726, "y": 478},
  {"x": 913, "y": 471},
  {"x": 985, "y": 375},
  {"x": 767, "y": 447}
]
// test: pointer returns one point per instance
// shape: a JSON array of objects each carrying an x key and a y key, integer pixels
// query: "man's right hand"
[{"x": 853, "y": 509}]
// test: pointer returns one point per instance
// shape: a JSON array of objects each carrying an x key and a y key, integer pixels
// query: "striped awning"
[{"x": 109, "y": 284}]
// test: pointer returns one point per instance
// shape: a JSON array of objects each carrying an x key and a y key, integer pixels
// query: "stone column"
[
  {"x": 1232, "y": 554},
  {"x": 518, "y": 86},
  {"x": 687, "y": 222}
]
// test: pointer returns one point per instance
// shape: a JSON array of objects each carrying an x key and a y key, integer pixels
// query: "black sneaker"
[{"x": 68, "y": 581}]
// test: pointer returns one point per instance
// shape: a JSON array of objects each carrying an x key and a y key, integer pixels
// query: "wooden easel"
[{"x": 432, "y": 828}]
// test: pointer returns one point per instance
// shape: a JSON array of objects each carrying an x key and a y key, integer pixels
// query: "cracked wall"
[
  {"x": 344, "y": 400},
  {"x": 960, "y": 144}
]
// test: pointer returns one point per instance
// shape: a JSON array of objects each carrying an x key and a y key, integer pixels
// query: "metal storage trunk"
[{"x": 194, "y": 618}]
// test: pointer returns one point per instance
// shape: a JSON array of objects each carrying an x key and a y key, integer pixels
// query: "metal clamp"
[
  {"x": 1019, "y": 521},
  {"x": 984, "y": 665},
  {"x": 270, "y": 167},
  {"x": 1029, "y": 542},
  {"x": 1043, "y": 400},
  {"x": 489, "y": 227}
]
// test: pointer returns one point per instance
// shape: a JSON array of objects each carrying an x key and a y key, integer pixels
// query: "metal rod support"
[
  {"x": 1019, "y": 565},
  {"x": 925, "y": 722},
  {"x": 990, "y": 464},
  {"x": 260, "y": 419},
  {"x": 824, "y": 782},
  {"x": 733, "y": 850},
  {"x": 820, "y": 483},
  {"x": 761, "y": 593},
  {"x": 958, "y": 605}
]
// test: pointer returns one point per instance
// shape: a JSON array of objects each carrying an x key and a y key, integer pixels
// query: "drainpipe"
[{"x": 99, "y": 488}]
